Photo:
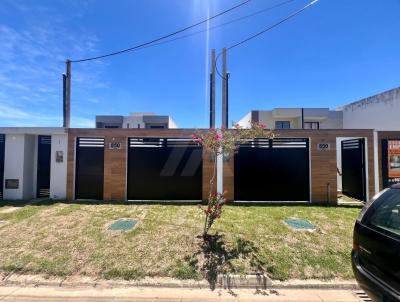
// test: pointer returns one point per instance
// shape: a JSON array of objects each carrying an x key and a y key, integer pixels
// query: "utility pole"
[
  {"x": 224, "y": 90},
  {"x": 227, "y": 99},
  {"x": 67, "y": 96},
  {"x": 212, "y": 90}
]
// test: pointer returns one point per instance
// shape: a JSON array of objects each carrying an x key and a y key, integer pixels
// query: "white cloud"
[
  {"x": 23, "y": 118},
  {"x": 13, "y": 113},
  {"x": 32, "y": 60}
]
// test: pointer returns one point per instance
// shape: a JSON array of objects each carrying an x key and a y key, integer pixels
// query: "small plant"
[
  {"x": 214, "y": 209},
  {"x": 224, "y": 142},
  {"x": 187, "y": 269}
]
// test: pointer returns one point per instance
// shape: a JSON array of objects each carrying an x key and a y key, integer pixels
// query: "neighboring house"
[
  {"x": 33, "y": 162},
  {"x": 380, "y": 112},
  {"x": 295, "y": 118},
  {"x": 135, "y": 120}
]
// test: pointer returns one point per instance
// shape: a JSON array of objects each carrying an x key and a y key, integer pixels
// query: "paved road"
[{"x": 47, "y": 294}]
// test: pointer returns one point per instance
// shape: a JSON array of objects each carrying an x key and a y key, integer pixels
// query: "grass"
[{"x": 72, "y": 239}]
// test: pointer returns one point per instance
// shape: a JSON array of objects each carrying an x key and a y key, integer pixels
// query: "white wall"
[
  {"x": 245, "y": 121},
  {"x": 172, "y": 124},
  {"x": 14, "y": 164},
  {"x": 19, "y": 161},
  {"x": 58, "y": 172},
  {"x": 379, "y": 112},
  {"x": 133, "y": 121},
  {"x": 334, "y": 121}
]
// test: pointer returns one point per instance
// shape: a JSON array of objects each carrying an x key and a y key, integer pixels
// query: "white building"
[
  {"x": 295, "y": 118},
  {"x": 380, "y": 112},
  {"x": 34, "y": 162},
  {"x": 135, "y": 120}
]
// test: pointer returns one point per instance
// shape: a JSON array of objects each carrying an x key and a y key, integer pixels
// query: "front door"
[
  {"x": 2, "y": 145},
  {"x": 43, "y": 166}
]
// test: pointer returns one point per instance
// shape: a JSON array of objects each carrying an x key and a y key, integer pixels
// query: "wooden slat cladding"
[
  {"x": 323, "y": 163},
  {"x": 381, "y": 136},
  {"x": 115, "y": 160}
]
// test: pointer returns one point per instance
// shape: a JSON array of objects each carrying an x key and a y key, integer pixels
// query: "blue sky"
[{"x": 334, "y": 53}]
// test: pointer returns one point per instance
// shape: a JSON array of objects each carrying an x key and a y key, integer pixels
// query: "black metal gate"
[
  {"x": 89, "y": 180},
  {"x": 43, "y": 166},
  {"x": 2, "y": 148},
  {"x": 390, "y": 162},
  {"x": 353, "y": 168},
  {"x": 164, "y": 169},
  {"x": 273, "y": 170}
]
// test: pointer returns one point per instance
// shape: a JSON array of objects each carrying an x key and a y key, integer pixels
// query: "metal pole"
[
  {"x": 227, "y": 100},
  {"x": 224, "y": 82},
  {"x": 64, "y": 99},
  {"x": 67, "y": 105},
  {"x": 212, "y": 90}
]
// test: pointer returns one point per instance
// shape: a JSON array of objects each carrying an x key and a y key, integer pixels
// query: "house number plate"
[
  {"x": 324, "y": 147},
  {"x": 115, "y": 145}
]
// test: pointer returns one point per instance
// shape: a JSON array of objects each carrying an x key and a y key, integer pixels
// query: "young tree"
[{"x": 224, "y": 142}]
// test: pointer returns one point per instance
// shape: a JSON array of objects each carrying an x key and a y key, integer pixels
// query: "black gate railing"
[
  {"x": 272, "y": 170},
  {"x": 164, "y": 169},
  {"x": 89, "y": 180},
  {"x": 353, "y": 168}
]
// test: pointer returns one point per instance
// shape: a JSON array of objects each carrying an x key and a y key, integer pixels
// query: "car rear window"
[{"x": 385, "y": 214}]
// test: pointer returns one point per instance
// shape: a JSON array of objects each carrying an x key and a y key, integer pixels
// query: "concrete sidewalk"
[{"x": 46, "y": 294}]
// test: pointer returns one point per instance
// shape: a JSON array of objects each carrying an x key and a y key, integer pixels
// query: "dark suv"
[{"x": 376, "y": 248}]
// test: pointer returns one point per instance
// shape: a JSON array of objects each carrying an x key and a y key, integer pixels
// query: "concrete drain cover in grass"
[
  {"x": 123, "y": 225},
  {"x": 300, "y": 224}
]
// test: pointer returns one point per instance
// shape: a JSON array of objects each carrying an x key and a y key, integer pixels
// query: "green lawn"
[{"x": 72, "y": 239}]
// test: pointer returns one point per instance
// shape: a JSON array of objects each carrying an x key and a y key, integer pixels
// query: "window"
[
  {"x": 157, "y": 126},
  {"x": 111, "y": 126},
  {"x": 282, "y": 125},
  {"x": 311, "y": 125},
  {"x": 127, "y": 125},
  {"x": 385, "y": 216}
]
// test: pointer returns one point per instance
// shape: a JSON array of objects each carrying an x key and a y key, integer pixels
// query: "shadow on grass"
[{"x": 216, "y": 258}]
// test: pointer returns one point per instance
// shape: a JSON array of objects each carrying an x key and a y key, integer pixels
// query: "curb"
[{"x": 221, "y": 282}]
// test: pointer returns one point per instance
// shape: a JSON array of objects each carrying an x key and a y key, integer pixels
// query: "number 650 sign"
[
  {"x": 323, "y": 146},
  {"x": 114, "y": 145}
]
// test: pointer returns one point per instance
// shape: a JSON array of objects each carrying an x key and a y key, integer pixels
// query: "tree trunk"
[{"x": 210, "y": 192}]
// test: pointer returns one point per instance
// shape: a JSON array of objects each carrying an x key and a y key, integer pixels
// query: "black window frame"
[
  {"x": 282, "y": 123},
  {"x": 311, "y": 123}
]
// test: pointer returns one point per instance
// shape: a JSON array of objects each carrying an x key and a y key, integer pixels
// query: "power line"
[
  {"x": 219, "y": 25},
  {"x": 162, "y": 37},
  {"x": 264, "y": 31}
]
